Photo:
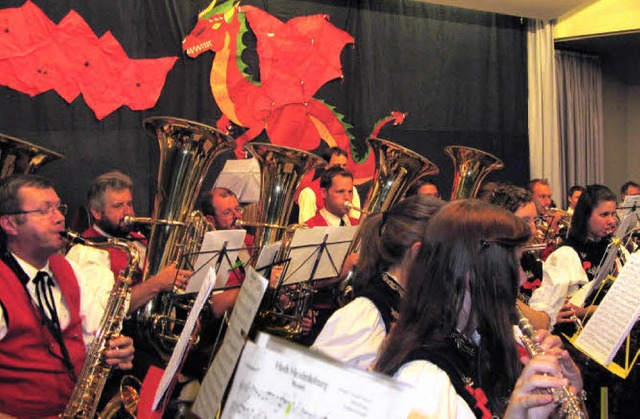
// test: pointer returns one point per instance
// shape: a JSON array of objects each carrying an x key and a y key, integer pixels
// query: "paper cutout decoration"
[
  {"x": 296, "y": 59},
  {"x": 36, "y": 56}
]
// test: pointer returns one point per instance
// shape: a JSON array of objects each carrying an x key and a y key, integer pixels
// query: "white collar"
[
  {"x": 31, "y": 270},
  {"x": 332, "y": 219}
]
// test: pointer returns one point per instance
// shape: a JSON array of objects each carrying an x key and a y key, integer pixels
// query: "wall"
[{"x": 633, "y": 128}]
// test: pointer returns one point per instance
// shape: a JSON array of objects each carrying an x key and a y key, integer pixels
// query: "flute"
[{"x": 570, "y": 406}]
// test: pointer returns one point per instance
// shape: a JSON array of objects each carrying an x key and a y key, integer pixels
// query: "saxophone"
[
  {"x": 570, "y": 406},
  {"x": 86, "y": 394}
]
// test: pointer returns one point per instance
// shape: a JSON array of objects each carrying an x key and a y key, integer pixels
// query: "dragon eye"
[{"x": 216, "y": 26}]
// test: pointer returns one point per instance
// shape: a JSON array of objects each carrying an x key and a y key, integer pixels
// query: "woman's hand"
[{"x": 552, "y": 369}]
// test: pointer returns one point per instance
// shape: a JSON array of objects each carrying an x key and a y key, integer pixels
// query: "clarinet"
[
  {"x": 570, "y": 405},
  {"x": 91, "y": 381}
]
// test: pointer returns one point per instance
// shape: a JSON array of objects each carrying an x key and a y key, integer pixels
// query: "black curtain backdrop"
[{"x": 461, "y": 75}]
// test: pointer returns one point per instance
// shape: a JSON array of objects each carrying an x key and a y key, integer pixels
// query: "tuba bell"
[
  {"x": 397, "y": 168},
  {"x": 187, "y": 149},
  {"x": 281, "y": 171},
  {"x": 18, "y": 156},
  {"x": 471, "y": 166}
]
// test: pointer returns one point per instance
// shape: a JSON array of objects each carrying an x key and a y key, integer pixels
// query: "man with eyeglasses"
[
  {"x": 221, "y": 207},
  {"x": 48, "y": 309}
]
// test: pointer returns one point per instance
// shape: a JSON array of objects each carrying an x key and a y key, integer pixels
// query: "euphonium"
[
  {"x": 18, "y": 156},
  {"x": 281, "y": 170},
  {"x": 471, "y": 166},
  {"x": 86, "y": 394},
  {"x": 397, "y": 168},
  {"x": 570, "y": 405},
  {"x": 187, "y": 149}
]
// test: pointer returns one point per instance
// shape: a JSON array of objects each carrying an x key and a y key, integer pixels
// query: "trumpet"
[{"x": 570, "y": 405}]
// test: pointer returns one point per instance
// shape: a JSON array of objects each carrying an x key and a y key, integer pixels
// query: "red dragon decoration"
[
  {"x": 37, "y": 55},
  {"x": 296, "y": 59}
]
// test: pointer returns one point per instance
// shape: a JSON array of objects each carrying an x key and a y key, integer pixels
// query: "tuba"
[
  {"x": 18, "y": 156},
  {"x": 397, "y": 168},
  {"x": 187, "y": 149},
  {"x": 471, "y": 166},
  {"x": 281, "y": 171}
]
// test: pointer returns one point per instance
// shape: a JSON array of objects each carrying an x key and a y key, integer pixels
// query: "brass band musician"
[{"x": 47, "y": 305}]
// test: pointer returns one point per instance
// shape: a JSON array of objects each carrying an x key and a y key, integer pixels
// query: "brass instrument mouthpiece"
[
  {"x": 349, "y": 206},
  {"x": 72, "y": 237}
]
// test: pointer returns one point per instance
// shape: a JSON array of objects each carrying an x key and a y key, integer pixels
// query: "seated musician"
[
  {"x": 354, "y": 333},
  {"x": 423, "y": 187},
  {"x": 454, "y": 340},
  {"x": 110, "y": 200},
  {"x": 520, "y": 202},
  {"x": 546, "y": 222},
  {"x": 589, "y": 236},
  {"x": 336, "y": 188},
  {"x": 574, "y": 194},
  {"x": 46, "y": 305},
  {"x": 311, "y": 200},
  {"x": 222, "y": 209}
]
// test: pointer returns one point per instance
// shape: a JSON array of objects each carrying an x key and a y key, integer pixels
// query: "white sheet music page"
[
  {"x": 617, "y": 313},
  {"x": 298, "y": 383},
  {"x": 219, "y": 373},
  {"x": 179, "y": 352},
  {"x": 212, "y": 244}
]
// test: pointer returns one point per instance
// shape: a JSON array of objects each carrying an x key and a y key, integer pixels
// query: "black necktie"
[
  {"x": 342, "y": 223},
  {"x": 49, "y": 314}
]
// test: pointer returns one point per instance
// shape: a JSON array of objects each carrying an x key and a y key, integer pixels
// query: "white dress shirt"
[
  {"x": 94, "y": 295},
  {"x": 308, "y": 206}
]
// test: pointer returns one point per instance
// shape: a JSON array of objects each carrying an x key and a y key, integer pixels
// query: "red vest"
[
  {"x": 319, "y": 221},
  {"x": 34, "y": 383},
  {"x": 117, "y": 257}
]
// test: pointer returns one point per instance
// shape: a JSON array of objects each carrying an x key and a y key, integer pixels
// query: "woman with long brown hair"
[
  {"x": 454, "y": 340},
  {"x": 354, "y": 333}
]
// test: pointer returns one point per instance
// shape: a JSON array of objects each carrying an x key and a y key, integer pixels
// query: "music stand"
[
  {"x": 630, "y": 204},
  {"x": 219, "y": 250},
  {"x": 242, "y": 177},
  {"x": 316, "y": 253}
]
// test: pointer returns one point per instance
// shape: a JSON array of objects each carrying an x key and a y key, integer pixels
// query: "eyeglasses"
[
  {"x": 230, "y": 212},
  {"x": 49, "y": 211}
]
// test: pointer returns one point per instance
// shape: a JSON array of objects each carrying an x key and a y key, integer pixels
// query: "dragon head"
[{"x": 214, "y": 23}]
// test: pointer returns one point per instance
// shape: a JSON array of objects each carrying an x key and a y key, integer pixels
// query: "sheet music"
[
  {"x": 212, "y": 244},
  {"x": 183, "y": 341},
  {"x": 305, "y": 246},
  {"x": 604, "y": 333},
  {"x": 298, "y": 383},
  {"x": 268, "y": 255},
  {"x": 630, "y": 203},
  {"x": 219, "y": 373}
]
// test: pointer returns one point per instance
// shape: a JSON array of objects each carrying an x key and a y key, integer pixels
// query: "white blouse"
[
  {"x": 432, "y": 394},
  {"x": 353, "y": 334}
]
